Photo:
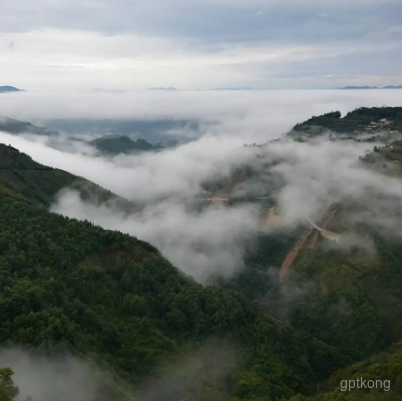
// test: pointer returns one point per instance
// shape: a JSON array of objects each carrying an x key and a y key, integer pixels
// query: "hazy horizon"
[
  {"x": 248, "y": 248},
  {"x": 261, "y": 44}
]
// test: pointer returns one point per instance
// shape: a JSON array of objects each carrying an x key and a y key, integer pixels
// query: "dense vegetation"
[
  {"x": 23, "y": 177},
  {"x": 356, "y": 299},
  {"x": 343, "y": 296},
  {"x": 20, "y": 127},
  {"x": 356, "y": 120},
  {"x": 67, "y": 285},
  {"x": 8, "y": 390},
  {"x": 385, "y": 367},
  {"x": 347, "y": 296},
  {"x": 116, "y": 144},
  {"x": 70, "y": 286}
]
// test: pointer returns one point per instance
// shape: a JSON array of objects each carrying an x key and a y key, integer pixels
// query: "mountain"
[
  {"x": 357, "y": 296},
  {"x": 333, "y": 313},
  {"x": 20, "y": 176},
  {"x": 71, "y": 286},
  {"x": 9, "y": 89},
  {"x": 117, "y": 144},
  {"x": 107, "y": 144},
  {"x": 162, "y": 130},
  {"x": 170, "y": 89},
  {"x": 360, "y": 87},
  {"x": 13, "y": 126},
  {"x": 372, "y": 87},
  {"x": 363, "y": 121},
  {"x": 341, "y": 292},
  {"x": 381, "y": 373}
]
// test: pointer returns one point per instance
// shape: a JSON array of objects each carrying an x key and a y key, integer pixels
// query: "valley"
[
  {"x": 200, "y": 200},
  {"x": 318, "y": 297}
]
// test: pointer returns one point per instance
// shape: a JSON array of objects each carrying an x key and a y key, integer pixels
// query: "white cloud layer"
[
  {"x": 249, "y": 116},
  {"x": 204, "y": 242}
]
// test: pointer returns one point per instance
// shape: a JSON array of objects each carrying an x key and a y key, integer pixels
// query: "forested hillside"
[
  {"x": 21, "y": 127},
  {"x": 385, "y": 367},
  {"x": 346, "y": 291},
  {"x": 67, "y": 285},
  {"x": 333, "y": 312},
  {"x": 121, "y": 144},
  {"x": 356, "y": 298},
  {"x": 359, "y": 121},
  {"x": 22, "y": 176}
]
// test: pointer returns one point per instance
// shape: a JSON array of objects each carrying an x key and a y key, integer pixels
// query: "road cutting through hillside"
[
  {"x": 276, "y": 221},
  {"x": 325, "y": 233},
  {"x": 294, "y": 252}
]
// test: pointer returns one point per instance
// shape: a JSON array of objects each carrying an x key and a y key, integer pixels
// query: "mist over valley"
[{"x": 200, "y": 201}]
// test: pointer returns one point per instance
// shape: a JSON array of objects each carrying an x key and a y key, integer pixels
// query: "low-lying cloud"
[
  {"x": 302, "y": 178},
  {"x": 64, "y": 377},
  {"x": 248, "y": 116},
  {"x": 201, "y": 244}
]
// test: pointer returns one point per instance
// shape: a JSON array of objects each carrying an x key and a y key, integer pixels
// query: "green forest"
[
  {"x": 358, "y": 119},
  {"x": 121, "y": 144},
  {"x": 69, "y": 287}
]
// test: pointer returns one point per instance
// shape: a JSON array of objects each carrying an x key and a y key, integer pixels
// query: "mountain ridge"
[
  {"x": 372, "y": 87},
  {"x": 117, "y": 144},
  {"x": 14, "y": 126},
  {"x": 9, "y": 89},
  {"x": 343, "y": 316},
  {"x": 71, "y": 285}
]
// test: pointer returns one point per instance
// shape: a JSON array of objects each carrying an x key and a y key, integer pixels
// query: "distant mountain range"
[
  {"x": 162, "y": 88},
  {"x": 373, "y": 87},
  {"x": 9, "y": 89}
]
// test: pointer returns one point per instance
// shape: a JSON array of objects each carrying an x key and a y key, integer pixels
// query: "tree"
[{"x": 8, "y": 391}]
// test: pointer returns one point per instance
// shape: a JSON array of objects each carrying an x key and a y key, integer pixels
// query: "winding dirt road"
[{"x": 325, "y": 233}]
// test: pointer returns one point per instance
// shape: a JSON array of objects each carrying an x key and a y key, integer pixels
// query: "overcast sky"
[{"x": 199, "y": 44}]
